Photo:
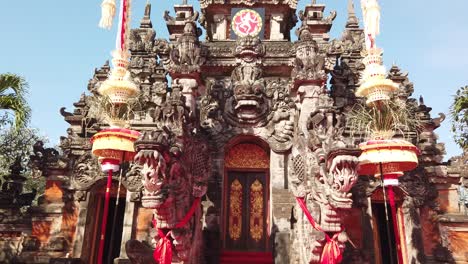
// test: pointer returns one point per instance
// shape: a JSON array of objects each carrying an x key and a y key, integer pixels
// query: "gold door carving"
[
  {"x": 247, "y": 156},
  {"x": 256, "y": 210},
  {"x": 235, "y": 208}
]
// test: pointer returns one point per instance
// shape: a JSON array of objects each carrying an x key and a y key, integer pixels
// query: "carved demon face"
[
  {"x": 248, "y": 105},
  {"x": 249, "y": 48}
]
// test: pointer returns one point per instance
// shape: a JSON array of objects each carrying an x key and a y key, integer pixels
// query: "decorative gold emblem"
[
  {"x": 247, "y": 22},
  {"x": 235, "y": 210},
  {"x": 247, "y": 156},
  {"x": 256, "y": 210}
]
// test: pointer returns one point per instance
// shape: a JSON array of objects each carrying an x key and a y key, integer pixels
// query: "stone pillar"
[
  {"x": 127, "y": 227},
  {"x": 275, "y": 28},
  {"x": 281, "y": 203},
  {"x": 308, "y": 98},
  {"x": 367, "y": 230},
  {"x": 190, "y": 91},
  {"x": 413, "y": 233},
  {"x": 82, "y": 201},
  {"x": 50, "y": 232}
]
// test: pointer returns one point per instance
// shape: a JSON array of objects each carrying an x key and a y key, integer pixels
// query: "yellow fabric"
[
  {"x": 113, "y": 145},
  {"x": 393, "y": 156}
]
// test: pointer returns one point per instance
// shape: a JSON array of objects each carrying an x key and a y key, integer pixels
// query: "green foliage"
[
  {"x": 13, "y": 89},
  {"x": 19, "y": 145},
  {"x": 459, "y": 113}
]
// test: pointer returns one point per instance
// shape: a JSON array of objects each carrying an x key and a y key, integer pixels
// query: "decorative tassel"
[{"x": 107, "y": 14}]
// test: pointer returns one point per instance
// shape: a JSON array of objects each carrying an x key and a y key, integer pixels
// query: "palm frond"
[
  {"x": 19, "y": 107},
  {"x": 15, "y": 83}
]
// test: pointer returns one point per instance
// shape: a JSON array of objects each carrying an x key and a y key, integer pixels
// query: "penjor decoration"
[
  {"x": 115, "y": 144},
  {"x": 383, "y": 156}
]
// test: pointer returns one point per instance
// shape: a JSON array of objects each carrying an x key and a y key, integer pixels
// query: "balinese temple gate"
[{"x": 234, "y": 129}]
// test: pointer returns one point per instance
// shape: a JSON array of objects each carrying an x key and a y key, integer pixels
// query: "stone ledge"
[
  {"x": 65, "y": 261},
  {"x": 452, "y": 218}
]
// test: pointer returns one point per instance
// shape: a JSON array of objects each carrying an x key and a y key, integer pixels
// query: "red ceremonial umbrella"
[
  {"x": 113, "y": 146},
  {"x": 389, "y": 158}
]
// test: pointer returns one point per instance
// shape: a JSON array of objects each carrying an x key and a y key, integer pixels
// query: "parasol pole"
[
  {"x": 104, "y": 217},
  {"x": 389, "y": 236},
  {"x": 114, "y": 220}
]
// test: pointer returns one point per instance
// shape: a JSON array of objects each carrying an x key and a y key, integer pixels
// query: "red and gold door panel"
[{"x": 246, "y": 207}]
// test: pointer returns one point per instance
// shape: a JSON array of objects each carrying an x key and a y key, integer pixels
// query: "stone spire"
[
  {"x": 353, "y": 21},
  {"x": 146, "y": 20}
]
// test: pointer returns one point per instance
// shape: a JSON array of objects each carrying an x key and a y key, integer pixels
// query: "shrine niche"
[{"x": 243, "y": 136}]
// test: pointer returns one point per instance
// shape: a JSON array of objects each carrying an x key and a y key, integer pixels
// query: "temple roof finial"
[
  {"x": 146, "y": 20},
  {"x": 353, "y": 21},
  {"x": 184, "y": 2}
]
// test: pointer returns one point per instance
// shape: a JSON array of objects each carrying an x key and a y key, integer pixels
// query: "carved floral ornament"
[
  {"x": 247, "y": 155},
  {"x": 256, "y": 213},
  {"x": 235, "y": 208}
]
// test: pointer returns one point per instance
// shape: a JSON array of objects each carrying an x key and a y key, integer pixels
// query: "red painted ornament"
[{"x": 247, "y": 22}]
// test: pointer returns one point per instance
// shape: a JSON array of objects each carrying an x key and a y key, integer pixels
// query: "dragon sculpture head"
[{"x": 324, "y": 169}]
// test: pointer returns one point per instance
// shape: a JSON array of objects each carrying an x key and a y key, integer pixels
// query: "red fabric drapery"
[
  {"x": 331, "y": 251},
  {"x": 163, "y": 251},
  {"x": 391, "y": 197}
]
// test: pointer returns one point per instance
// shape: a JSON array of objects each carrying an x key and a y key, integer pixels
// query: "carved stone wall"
[{"x": 291, "y": 98}]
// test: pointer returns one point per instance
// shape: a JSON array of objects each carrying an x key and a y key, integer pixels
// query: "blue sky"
[{"x": 56, "y": 45}]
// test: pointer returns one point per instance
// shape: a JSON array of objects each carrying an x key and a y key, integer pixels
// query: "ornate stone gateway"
[{"x": 245, "y": 148}]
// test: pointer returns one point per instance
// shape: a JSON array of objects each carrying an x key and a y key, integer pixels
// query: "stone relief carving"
[
  {"x": 171, "y": 168},
  {"x": 219, "y": 27},
  {"x": 141, "y": 40},
  {"x": 45, "y": 159},
  {"x": 211, "y": 106},
  {"x": 323, "y": 171},
  {"x": 249, "y": 105},
  {"x": 174, "y": 172},
  {"x": 280, "y": 128},
  {"x": 309, "y": 61},
  {"x": 85, "y": 172},
  {"x": 186, "y": 55},
  {"x": 132, "y": 178}
]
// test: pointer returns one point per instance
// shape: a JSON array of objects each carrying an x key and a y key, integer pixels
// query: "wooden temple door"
[
  {"x": 246, "y": 211},
  {"x": 246, "y": 199}
]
